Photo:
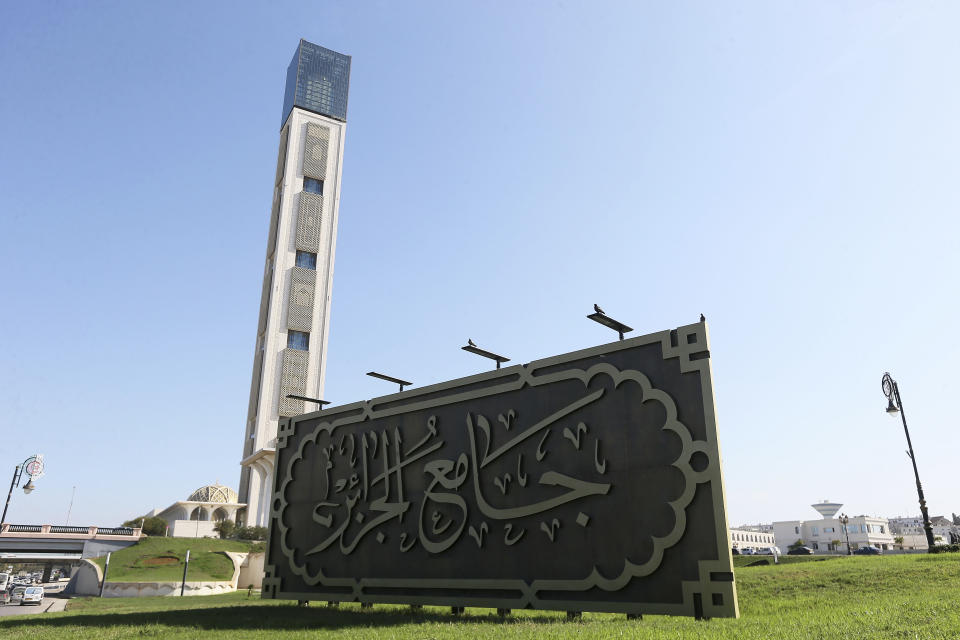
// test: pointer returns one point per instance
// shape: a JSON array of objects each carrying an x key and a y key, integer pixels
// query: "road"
[{"x": 54, "y": 603}]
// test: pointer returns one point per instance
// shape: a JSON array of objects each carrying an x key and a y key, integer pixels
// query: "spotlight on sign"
[
  {"x": 600, "y": 316},
  {"x": 473, "y": 348},
  {"x": 306, "y": 399},
  {"x": 402, "y": 383}
]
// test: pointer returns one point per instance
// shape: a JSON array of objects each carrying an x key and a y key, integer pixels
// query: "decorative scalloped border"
[{"x": 690, "y": 345}]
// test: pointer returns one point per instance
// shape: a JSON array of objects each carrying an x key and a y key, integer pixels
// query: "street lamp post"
[
  {"x": 846, "y": 531},
  {"x": 895, "y": 405},
  {"x": 33, "y": 467}
]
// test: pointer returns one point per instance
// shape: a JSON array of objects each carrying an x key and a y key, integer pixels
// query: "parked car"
[
  {"x": 747, "y": 551},
  {"x": 17, "y": 595},
  {"x": 735, "y": 551},
  {"x": 32, "y": 595},
  {"x": 4, "y": 597},
  {"x": 800, "y": 551},
  {"x": 766, "y": 551},
  {"x": 868, "y": 551}
]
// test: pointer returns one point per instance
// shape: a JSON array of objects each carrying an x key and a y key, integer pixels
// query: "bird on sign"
[
  {"x": 703, "y": 318},
  {"x": 597, "y": 308},
  {"x": 471, "y": 343}
]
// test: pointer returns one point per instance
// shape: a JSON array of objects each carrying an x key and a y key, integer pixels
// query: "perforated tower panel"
[{"x": 315, "y": 151}]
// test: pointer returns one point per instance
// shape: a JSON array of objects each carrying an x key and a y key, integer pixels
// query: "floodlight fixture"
[
  {"x": 402, "y": 383},
  {"x": 305, "y": 398},
  {"x": 610, "y": 323},
  {"x": 472, "y": 348}
]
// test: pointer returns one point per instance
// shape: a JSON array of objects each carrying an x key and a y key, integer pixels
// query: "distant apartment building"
[
  {"x": 829, "y": 534},
  {"x": 944, "y": 531},
  {"x": 751, "y": 538},
  {"x": 760, "y": 528},
  {"x": 910, "y": 528}
]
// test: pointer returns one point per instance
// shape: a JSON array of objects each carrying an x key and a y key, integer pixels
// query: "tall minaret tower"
[{"x": 292, "y": 332}]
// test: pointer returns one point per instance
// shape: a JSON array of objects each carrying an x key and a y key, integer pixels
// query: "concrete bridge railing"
[{"x": 63, "y": 531}]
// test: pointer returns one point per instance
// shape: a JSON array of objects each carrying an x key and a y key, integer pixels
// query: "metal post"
[
  {"x": 106, "y": 569},
  {"x": 70, "y": 508},
  {"x": 923, "y": 503},
  {"x": 186, "y": 565},
  {"x": 16, "y": 476},
  {"x": 846, "y": 531}
]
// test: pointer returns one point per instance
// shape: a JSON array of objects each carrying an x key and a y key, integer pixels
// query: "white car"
[{"x": 32, "y": 595}]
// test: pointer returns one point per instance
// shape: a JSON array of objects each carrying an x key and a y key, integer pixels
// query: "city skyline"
[{"x": 786, "y": 171}]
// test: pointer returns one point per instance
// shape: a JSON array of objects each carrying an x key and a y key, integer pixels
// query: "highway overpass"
[{"x": 45, "y": 543}]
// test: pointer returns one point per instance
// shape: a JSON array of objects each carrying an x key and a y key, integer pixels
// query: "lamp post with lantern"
[
  {"x": 846, "y": 530},
  {"x": 895, "y": 406},
  {"x": 33, "y": 467}
]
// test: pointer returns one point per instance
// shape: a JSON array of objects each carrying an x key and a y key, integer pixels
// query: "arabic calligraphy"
[
  {"x": 362, "y": 485},
  {"x": 506, "y": 478}
]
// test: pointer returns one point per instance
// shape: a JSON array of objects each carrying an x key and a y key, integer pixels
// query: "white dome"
[{"x": 214, "y": 493}]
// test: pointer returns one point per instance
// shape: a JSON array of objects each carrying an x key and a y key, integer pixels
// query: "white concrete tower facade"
[{"x": 293, "y": 326}]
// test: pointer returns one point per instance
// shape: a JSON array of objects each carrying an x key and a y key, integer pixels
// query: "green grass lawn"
[
  {"x": 916, "y": 596},
  {"x": 161, "y": 560},
  {"x": 746, "y": 561}
]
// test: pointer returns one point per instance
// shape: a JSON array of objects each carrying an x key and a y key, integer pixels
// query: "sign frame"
[{"x": 711, "y": 592}]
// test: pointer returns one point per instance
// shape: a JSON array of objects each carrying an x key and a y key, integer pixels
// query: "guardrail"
[
  {"x": 69, "y": 531},
  {"x": 24, "y": 528},
  {"x": 56, "y": 528}
]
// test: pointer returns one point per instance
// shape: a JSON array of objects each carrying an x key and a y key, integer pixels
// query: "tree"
[
  {"x": 152, "y": 526},
  {"x": 225, "y": 528},
  {"x": 836, "y": 544},
  {"x": 798, "y": 543},
  {"x": 898, "y": 540}
]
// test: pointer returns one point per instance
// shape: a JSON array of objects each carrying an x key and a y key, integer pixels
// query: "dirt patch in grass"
[{"x": 160, "y": 561}]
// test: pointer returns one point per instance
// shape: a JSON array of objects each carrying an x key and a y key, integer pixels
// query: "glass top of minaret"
[{"x": 318, "y": 80}]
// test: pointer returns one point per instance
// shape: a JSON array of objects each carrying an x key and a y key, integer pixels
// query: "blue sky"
[{"x": 787, "y": 168}]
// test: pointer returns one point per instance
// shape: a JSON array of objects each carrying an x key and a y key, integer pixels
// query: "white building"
[
  {"x": 751, "y": 538},
  {"x": 914, "y": 537},
  {"x": 828, "y": 534},
  {"x": 943, "y": 529},
  {"x": 196, "y": 516},
  {"x": 293, "y": 328}
]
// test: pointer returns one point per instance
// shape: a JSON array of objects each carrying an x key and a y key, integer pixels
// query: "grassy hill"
[
  {"x": 909, "y": 596},
  {"x": 162, "y": 559}
]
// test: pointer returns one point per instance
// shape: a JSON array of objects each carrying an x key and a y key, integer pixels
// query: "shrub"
[
  {"x": 225, "y": 528},
  {"x": 945, "y": 548},
  {"x": 250, "y": 533}
]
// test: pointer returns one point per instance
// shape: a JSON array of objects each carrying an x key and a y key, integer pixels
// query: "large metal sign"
[{"x": 587, "y": 482}]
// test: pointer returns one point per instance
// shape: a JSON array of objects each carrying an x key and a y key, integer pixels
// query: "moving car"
[
  {"x": 800, "y": 551},
  {"x": 32, "y": 595},
  {"x": 868, "y": 551}
]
